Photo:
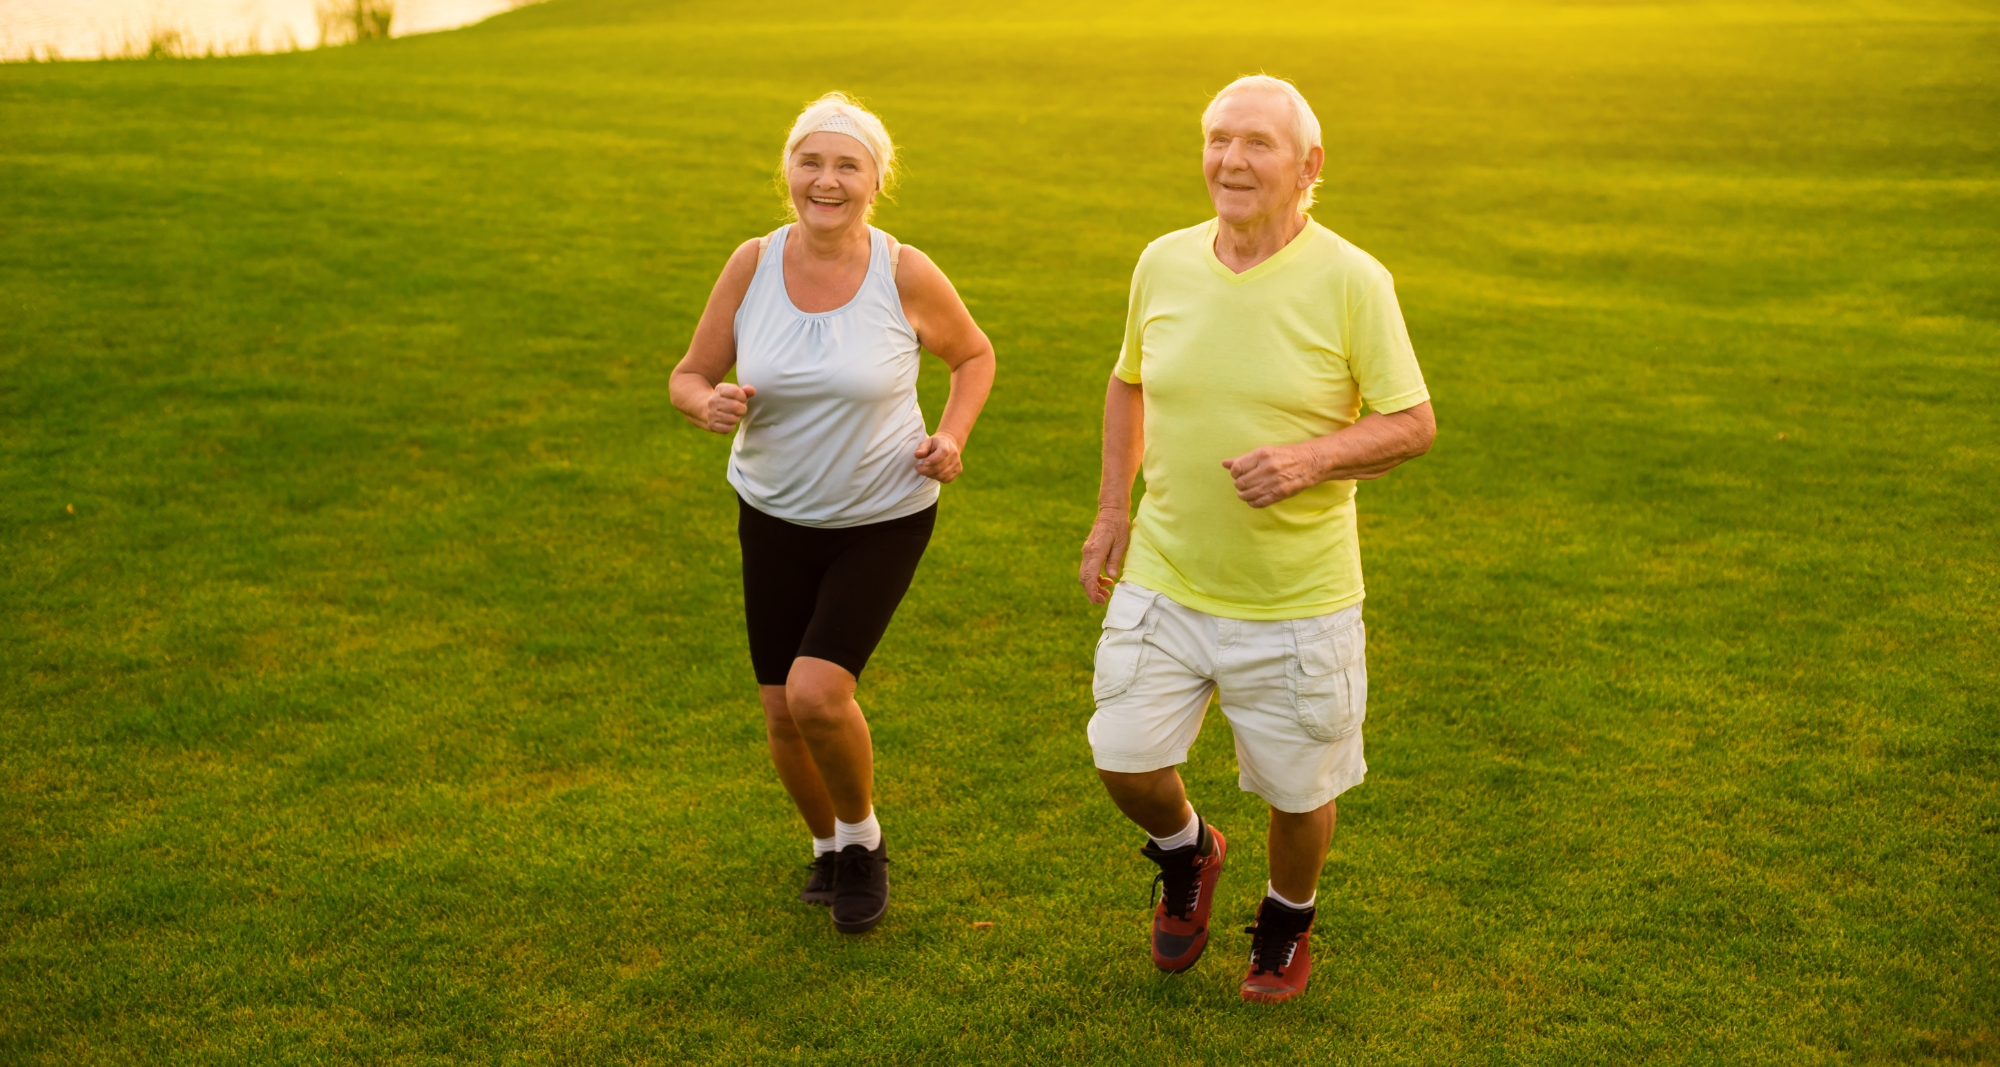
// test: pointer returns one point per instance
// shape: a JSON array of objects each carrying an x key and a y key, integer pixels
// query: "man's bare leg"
[
  {"x": 1298, "y": 842},
  {"x": 1155, "y": 800}
]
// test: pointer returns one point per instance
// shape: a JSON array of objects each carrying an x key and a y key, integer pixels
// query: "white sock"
[
  {"x": 1272, "y": 892},
  {"x": 1189, "y": 834},
  {"x": 867, "y": 833},
  {"x": 822, "y": 846}
]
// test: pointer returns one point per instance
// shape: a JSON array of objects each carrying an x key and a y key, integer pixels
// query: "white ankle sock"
[
  {"x": 822, "y": 846},
  {"x": 867, "y": 833},
  {"x": 1189, "y": 834},
  {"x": 1272, "y": 892}
]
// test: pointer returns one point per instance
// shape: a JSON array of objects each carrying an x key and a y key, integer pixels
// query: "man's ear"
[{"x": 1315, "y": 160}]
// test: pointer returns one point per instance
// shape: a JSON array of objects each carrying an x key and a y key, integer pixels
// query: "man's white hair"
[
  {"x": 1304, "y": 130},
  {"x": 836, "y": 112}
]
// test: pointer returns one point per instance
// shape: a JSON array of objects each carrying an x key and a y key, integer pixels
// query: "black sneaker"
[
  {"x": 819, "y": 884},
  {"x": 860, "y": 888}
]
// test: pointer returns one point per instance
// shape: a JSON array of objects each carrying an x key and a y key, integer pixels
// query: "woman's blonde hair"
[
  {"x": 1304, "y": 130},
  {"x": 837, "y": 112}
]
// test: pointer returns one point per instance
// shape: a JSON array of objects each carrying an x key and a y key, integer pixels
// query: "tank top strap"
[
  {"x": 878, "y": 252},
  {"x": 775, "y": 237}
]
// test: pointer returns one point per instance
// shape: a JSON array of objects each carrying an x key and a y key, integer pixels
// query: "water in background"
[{"x": 92, "y": 29}]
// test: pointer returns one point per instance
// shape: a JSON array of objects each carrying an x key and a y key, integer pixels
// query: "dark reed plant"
[
  {"x": 161, "y": 42},
  {"x": 352, "y": 21}
]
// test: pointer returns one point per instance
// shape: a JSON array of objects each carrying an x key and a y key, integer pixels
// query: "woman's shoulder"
[
  {"x": 763, "y": 241},
  {"x": 743, "y": 261},
  {"x": 732, "y": 286},
  {"x": 907, "y": 264}
]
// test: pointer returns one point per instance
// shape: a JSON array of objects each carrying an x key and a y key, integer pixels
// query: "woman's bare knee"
[
  {"x": 819, "y": 694},
  {"x": 781, "y": 727},
  {"x": 777, "y": 712}
]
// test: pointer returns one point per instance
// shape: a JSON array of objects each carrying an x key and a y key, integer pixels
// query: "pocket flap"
[
  {"x": 1128, "y": 608},
  {"x": 1331, "y": 650}
]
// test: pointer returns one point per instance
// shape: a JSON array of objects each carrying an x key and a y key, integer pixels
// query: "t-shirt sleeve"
[
  {"x": 1379, "y": 353},
  {"x": 1127, "y": 368}
]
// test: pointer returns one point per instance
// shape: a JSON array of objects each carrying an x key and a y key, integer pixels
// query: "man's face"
[{"x": 1254, "y": 171}]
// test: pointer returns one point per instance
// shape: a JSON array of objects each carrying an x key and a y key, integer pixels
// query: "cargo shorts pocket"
[
  {"x": 1330, "y": 680},
  {"x": 1121, "y": 649}
]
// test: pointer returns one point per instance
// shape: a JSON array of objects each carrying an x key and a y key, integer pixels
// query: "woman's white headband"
[{"x": 839, "y": 123}]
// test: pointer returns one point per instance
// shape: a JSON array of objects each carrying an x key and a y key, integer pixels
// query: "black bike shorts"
[{"x": 828, "y": 594}]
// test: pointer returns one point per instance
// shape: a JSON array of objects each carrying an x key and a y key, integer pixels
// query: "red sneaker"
[
  {"x": 1280, "y": 953},
  {"x": 1187, "y": 877}
]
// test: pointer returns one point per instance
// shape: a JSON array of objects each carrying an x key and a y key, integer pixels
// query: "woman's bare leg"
[
  {"x": 795, "y": 763},
  {"x": 820, "y": 697}
]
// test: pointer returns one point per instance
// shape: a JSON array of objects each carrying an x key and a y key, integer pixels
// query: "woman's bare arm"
[
  {"x": 696, "y": 385},
  {"x": 945, "y": 328}
]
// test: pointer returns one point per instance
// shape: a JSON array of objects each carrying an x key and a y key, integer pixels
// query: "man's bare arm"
[
  {"x": 1372, "y": 447},
  {"x": 1124, "y": 445}
]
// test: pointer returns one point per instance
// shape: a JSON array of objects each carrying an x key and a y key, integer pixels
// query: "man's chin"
[{"x": 1239, "y": 214}]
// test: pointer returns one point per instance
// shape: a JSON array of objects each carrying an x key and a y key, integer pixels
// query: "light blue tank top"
[{"x": 832, "y": 434}]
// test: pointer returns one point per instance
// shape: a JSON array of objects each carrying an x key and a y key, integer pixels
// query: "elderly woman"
[{"x": 836, "y": 478}]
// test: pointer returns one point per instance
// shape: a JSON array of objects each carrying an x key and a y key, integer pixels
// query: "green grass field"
[{"x": 372, "y": 682}]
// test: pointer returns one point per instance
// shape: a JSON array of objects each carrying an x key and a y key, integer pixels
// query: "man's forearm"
[
  {"x": 1124, "y": 444},
  {"x": 1374, "y": 445}
]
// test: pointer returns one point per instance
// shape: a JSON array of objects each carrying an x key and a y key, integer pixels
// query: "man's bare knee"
[
  {"x": 1324, "y": 811},
  {"x": 1138, "y": 783}
]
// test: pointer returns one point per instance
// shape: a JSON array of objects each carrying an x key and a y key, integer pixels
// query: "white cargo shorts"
[{"x": 1294, "y": 691}]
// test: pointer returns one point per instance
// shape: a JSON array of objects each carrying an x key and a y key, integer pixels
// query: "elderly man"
[{"x": 1251, "y": 344}]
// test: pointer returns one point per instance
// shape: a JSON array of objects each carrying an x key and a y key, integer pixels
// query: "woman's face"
[{"x": 832, "y": 180}]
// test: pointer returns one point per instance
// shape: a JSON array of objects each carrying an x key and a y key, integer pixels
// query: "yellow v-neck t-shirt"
[{"x": 1284, "y": 352}]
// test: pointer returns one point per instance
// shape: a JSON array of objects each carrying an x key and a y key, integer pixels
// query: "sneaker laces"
[
  {"x": 855, "y": 865},
  {"x": 1274, "y": 939},
  {"x": 1178, "y": 880},
  {"x": 1180, "y": 886}
]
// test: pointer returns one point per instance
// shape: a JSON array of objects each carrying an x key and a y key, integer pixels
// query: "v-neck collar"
[{"x": 1277, "y": 261}]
